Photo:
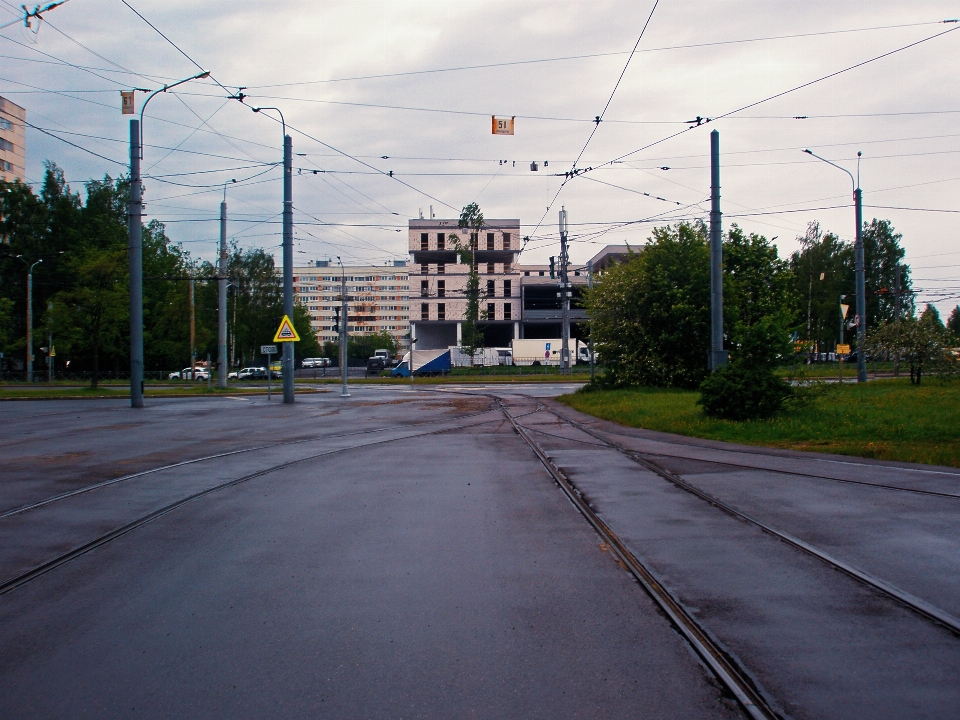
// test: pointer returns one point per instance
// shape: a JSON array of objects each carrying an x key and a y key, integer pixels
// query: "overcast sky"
[{"x": 374, "y": 79}]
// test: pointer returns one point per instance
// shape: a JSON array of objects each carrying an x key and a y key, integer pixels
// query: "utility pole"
[
  {"x": 344, "y": 362},
  {"x": 861, "y": 287},
  {"x": 222, "y": 305},
  {"x": 135, "y": 247},
  {"x": 30, "y": 320},
  {"x": 564, "y": 296},
  {"x": 590, "y": 285},
  {"x": 288, "y": 263},
  {"x": 193, "y": 334},
  {"x": 50, "y": 351},
  {"x": 896, "y": 318},
  {"x": 718, "y": 356},
  {"x": 135, "y": 253},
  {"x": 861, "y": 318}
]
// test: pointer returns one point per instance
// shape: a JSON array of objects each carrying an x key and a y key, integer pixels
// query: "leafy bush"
[
  {"x": 741, "y": 393},
  {"x": 748, "y": 388}
]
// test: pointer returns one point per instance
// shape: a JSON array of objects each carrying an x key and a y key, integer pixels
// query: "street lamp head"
[{"x": 808, "y": 152}]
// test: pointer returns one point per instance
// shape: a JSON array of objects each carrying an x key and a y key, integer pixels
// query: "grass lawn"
[{"x": 883, "y": 419}]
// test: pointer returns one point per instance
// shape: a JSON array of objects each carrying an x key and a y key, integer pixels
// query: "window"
[
  {"x": 441, "y": 311},
  {"x": 508, "y": 311},
  {"x": 491, "y": 289},
  {"x": 526, "y": 273},
  {"x": 441, "y": 268},
  {"x": 489, "y": 268},
  {"x": 489, "y": 241},
  {"x": 441, "y": 288},
  {"x": 424, "y": 288},
  {"x": 424, "y": 268},
  {"x": 424, "y": 311},
  {"x": 473, "y": 241},
  {"x": 491, "y": 311},
  {"x": 577, "y": 273},
  {"x": 541, "y": 273},
  {"x": 441, "y": 241},
  {"x": 6, "y": 145},
  {"x": 506, "y": 268},
  {"x": 5, "y": 124},
  {"x": 506, "y": 241},
  {"x": 424, "y": 241},
  {"x": 507, "y": 288}
]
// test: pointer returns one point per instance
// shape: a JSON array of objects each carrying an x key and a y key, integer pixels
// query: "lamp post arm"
[
  {"x": 198, "y": 76},
  {"x": 838, "y": 167},
  {"x": 283, "y": 122}
]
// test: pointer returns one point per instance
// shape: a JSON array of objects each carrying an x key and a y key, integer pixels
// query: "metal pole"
[
  {"x": 344, "y": 361},
  {"x": 896, "y": 320},
  {"x": 269, "y": 374},
  {"x": 209, "y": 368},
  {"x": 564, "y": 297},
  {"x": 590, "y": 285},
  {"x": 861, "y": 290},
  {"x": 135, "y": 252},
  {"x": 30, "y": 324},
  {"x": 222, "y": 305},
  {"x": 193, "y": 334},
  {"x": 288, "y": 263},
  {"x": 50, "y": 359},
  {"x": 718, "y": 358}
]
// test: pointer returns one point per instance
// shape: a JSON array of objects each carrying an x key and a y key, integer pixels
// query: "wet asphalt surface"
[
  {"x": 415, "y": 560},
  {"x": 402, "y": 553}
]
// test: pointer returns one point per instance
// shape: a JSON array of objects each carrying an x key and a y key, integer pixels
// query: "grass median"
[{"x": 882, "y": 419}]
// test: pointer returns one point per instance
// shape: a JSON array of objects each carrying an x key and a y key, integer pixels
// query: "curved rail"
[
  {"x": 25, "y": 577},
  {"x": 161, "y": 468},
  {"x": 723, "y": 666},
  {"x": 918, "y": 605}
]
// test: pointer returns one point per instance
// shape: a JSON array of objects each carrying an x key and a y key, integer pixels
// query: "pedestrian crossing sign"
[{"x": 286, "y": 332}]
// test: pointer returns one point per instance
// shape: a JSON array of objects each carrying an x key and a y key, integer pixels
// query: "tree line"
[
  {"x": 650, "y": 315},
  {"x": 81, "y": 286}
]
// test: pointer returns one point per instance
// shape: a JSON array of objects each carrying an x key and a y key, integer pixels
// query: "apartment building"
[
  {"x": 378, "y": 298},
  {"x": 516, "y": 301},
  {"x": 13, "y": 141},
  {"x": 439, "y": 281}
]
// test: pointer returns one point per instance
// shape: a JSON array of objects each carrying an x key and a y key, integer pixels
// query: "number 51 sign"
[{"x": 502, "y": 126}]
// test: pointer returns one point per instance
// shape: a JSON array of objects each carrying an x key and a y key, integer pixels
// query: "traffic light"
[{"x": 553, "y": 272}]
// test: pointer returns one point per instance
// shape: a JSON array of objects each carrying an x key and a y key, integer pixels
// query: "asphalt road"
[
  {"x": 405, "y": 556},
  {"x": 403, "y": 553}
]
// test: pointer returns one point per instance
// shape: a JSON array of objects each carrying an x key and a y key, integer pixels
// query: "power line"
[
  {"x": 72, "y": 144},
  {"x": 597, "y": 55},
  {"x": 615, "y": 86}
]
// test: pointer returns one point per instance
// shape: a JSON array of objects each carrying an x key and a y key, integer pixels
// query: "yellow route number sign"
[
  {"x": 843, "y": 349},
  {"x": 502, "y": 125},
  {"x": 286, "y": 331}
]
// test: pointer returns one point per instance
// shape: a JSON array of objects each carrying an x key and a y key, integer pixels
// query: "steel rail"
[
  {"x": 161, "y": 468},
  {"x": 912, "y": 602},
  {"x": 25, "y": 577},
  {"x": 746, "y": 691}
]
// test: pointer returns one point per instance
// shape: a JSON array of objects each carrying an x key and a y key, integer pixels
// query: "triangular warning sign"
[{"x": 286, "y": 332}]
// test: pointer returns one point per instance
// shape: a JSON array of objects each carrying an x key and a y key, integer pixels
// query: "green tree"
[
  {"x": 953, "y": 322},
  {"x": 471, "y": 220},
  {"x": 361, "y": 347},
  {"x": 92, "y": 316},
  {"x": 757, "y": 284},
  {"x": 922, "y": 342},
  {"x": 882, "y": 253},
  {"x": 650, "y": 315}
]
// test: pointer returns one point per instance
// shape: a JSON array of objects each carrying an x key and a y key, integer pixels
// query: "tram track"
[
  {"x": 725, "y": 668},
  {"x": 132, "y": 476},
  {"x": 918, "y": 605},
  {"x": 76, "y": 552}
]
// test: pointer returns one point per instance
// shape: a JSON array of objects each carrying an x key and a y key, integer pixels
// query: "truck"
[
  {"x": 547, "y": 351},
  {"x": 425, "y": 362}
]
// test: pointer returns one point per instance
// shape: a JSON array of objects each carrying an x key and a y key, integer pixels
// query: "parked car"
[
  {"x": 232, "y": 376},
  {"x": 185, "y": 374},
  {"x": 252, "y": 373},
  {"x": 375, "y": 365},
  {"x": 316, "y": 362}
]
